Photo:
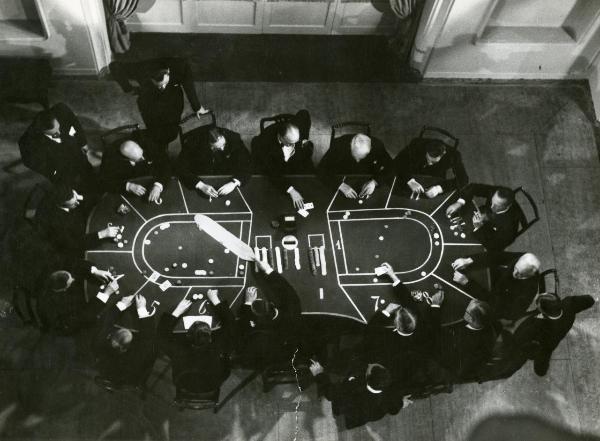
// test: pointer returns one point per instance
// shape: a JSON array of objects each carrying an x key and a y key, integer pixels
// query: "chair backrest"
[
  {"x": 111, "y": 386},
  {"x": 197, "y": 400},
  {"x": 526, "y": 222},
  {"x": 33, "y": 201},
  {"x": 117, "y": 134},
  {"x": 276, "y": 119},
  {"x": 349, "y": 128},
  {"x": 192, "y": 122},
  {"x": 549, "y": 281},
  {"x": 430, "y": 132}
]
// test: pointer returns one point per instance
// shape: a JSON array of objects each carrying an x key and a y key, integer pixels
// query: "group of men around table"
[{"x": 404, "y": 349}]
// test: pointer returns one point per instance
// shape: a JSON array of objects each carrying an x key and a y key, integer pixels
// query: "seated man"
[
  {"x": 215, "y": 151},
  {"x": 200, "y": 357},
  {"x": 131, "y": 159},
  {"x": 284, "y": 149},
  {"x": 161, "y": 95},
  {"x": 63, "y": 221},
  {"x": 268, "y": 324},
  {"x": 540, "y": 331},
  {"x": 430, "y": 157},
  {"x": 55, "y": 146},
  {"x": 403, "y": 336},
  {"x": 125, "y": 357},
  {"x": 515, "y": 280},
  {"x": 495, "y": 224},
  {"x": 62, "y": 307},
  {"x": 464, "y": 347},
  {"x": 365, "y": 395},
  {"x": 355, "y": 155}
]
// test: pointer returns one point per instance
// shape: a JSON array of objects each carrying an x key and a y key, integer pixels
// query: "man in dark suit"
[
  {"x": 199, "y": 358},
  {"x": 134, "y": 158},
  {"x": 268, "y": 327},
  {"x": 515, "y": 280},
  {"x": 161, "y": 95},
  {"x": 431, "y": 158},
  {"x": 63, "y": 221},
  {"x": 55, "y": 146},
  {"x": 364, "y": 395},
  {"x": 540, "y": 331},
  {"x": 495, "y": 224},
  {"x": 464, "y": 347},
  {"x": 215, "y": 151},
  {"x": 62, "y": 307},
  {"x": 284, "y": 149},
  {"x": 125, "y": 357},
  {"x": 355, "y": 155},
  {"x": 403, "y": 336}
]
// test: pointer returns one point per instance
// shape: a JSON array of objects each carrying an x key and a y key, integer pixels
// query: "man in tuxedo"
[
  {"x": 495, "y": 224},
  {"x": 162, "y": 83},
  {"x": 284, "y": 149},
  {"x": 125, "y": 357},
  {"x": 215, "y": 151},
  {"x": 55, "y": 146},
  {"x": 430, "y": 158},
  {"x": 62, "y": 307},
  {"x": 543, "y": 327},
  {"x": 63, "y": 221},
  {"x": 200, "y": 357},
  {"x": 134, "y": 158},
  {"x": 515, "y": 280},
  {"x": 268, "y": 326},
  {"x": 403, "y": 336},
  {"x": 364, "y": 395},
  {"x": 464, "y": 347},
  {"x": 355, "y": 155}
]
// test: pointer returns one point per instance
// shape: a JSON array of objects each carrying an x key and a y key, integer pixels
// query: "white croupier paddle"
[{"x": 224, "y": 237}]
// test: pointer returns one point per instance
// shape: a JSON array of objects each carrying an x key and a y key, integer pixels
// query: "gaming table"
[{"x": 164, "y": 256}]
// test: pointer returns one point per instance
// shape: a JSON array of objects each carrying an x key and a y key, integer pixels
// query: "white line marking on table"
[
  {"x": 183, "y": 197},
  {"x": 133, "y": 208},
  {"x": 387, "y": 202},
  {"x": 442, "y": 204},
  {"x": 453, "y": 286}
]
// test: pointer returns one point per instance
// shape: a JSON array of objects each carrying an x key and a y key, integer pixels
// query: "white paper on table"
[
  {"x": 189, "y": 320},
  {"x": 380, "y": 271},
  {"x": 309, "y": 205},
  {"x": 165, "y": 285},
  {"x": 154, "y": 276},
  {"x": 303, "y": 212}
]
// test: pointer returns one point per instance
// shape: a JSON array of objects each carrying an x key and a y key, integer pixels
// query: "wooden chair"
[
  {"x": 526, "y": 223},
  {"x": 543, "y": 285},
  {"x": 191, "y": 123},
  {"x": 118, "y": 134},
  {"x": 276, "y": 119},
  {"x": 430, "y": 132}
]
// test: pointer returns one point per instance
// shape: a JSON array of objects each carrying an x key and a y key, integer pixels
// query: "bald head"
[
  {"x": 527, "y": 266},
  {"x": 288, "y": 134},
  {"x": 132, "y": 151},
  {"x": 360, "y": 146}
]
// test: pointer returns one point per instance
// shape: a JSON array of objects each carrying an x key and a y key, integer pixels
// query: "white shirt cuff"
[
  {"x": 461, "y": 201},
  {"x": 103, "y": 297},
  {"x": 411, "y": 181},
  {"x": 396, "y": 283},
  {"x": 122, "y": 306},
  {"x": 435, "y": 306},
  {"x": 289, "y": 189},
  {"x": 142, "y": 313},
  {"x": 128, "y": 186},
  {"x": 93, "y": 269},
  {"x": 384, "y": 312},
  {"x": 248, "y": 303},
  {"x": 236, "y": 182},
  {"x": 269, "y": 269}
]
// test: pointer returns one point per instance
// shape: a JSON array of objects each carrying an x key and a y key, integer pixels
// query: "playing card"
[{"x": 165, "y": 285}]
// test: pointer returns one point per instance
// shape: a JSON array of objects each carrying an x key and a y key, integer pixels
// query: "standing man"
[
  {"x": 161, "y": 97},
  {"x": 430, "y": 158},
  {"x": 215, "y": 151},
  {"x": 495, "y": 224},
  {"x": 355, "y": 155},
  {"x": 55, "y": 146},
  {"x": 284, "y": 149}
]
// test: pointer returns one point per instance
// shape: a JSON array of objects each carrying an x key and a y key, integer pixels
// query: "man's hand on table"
[
  {"x": 227, "y": 188},
  {"x": 478, "y": 220},
  {"x": 155, "y": 193},
  {"x": 101, "y": 275},
  {"x": 461, "y": 263},
  {"x": 125, "y": 302},
  {"x": 368, "y": 188},
  {"x": 453, "y": 208},
  {"x": 434, "y": 191},
  {"x": 251, "y": 295},
  {"x": 437, "y": 299},
  {"x": 415, "y": 186},
  {"x": 390, "y": 272},
  {"x": 264, "y": 266},
  {"x": 348, "y": 191},
  {"x": 136, "y": 189},
  {"x": 140, "y": 305},
  {"x": 213, "y": 296},
  {"x": 315, "y": 368},
  {"x": 108, "y": 233},
  {"x": 297, "y": 198},
  {"x": 390, "y": 308},
  {"x": 181, "y": 307},
  {"x": 460, "y": 278},
  {"x": 208, "y": 190}
]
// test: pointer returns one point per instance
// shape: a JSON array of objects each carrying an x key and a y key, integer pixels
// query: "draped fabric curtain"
[
  {"x": 117, "y": 11},
  {"x": 409, "y": 14},
  {"x": 403, "y": 8}
]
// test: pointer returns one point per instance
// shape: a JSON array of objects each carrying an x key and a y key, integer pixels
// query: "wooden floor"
[{"x": 538, "y": 135}]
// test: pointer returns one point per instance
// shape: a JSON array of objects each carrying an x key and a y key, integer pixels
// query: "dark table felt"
[{"x": 406, "y": 226}]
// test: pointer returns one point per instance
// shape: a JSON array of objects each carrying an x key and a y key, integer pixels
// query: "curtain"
[
  {"x": 117, "y": 11},
  {"x": 403, "y": 8}
]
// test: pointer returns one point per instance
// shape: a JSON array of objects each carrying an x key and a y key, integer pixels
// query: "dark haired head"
[
  {"x": 158, "y": 69},
  {"x": 199, "y": 334},
  {"x": 44, "y": 121},
  {"x": 405, "y": 321},
  {"x": 506, "y": 194},
  {"x": 549, "y": 304},
  {"x": 378, "y": 377},
  {"x": 59, "y": 281},
  {"x": 263, "y": 311},
  {"x": 477, "y": 314},
  {"x": 435, "y": 148}
]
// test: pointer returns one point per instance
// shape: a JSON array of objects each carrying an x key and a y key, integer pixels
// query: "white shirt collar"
[
  {"x": 56, "y": 140},
  {"x": 373, "y": 391},
  {"x": 288, "y": 152}
]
